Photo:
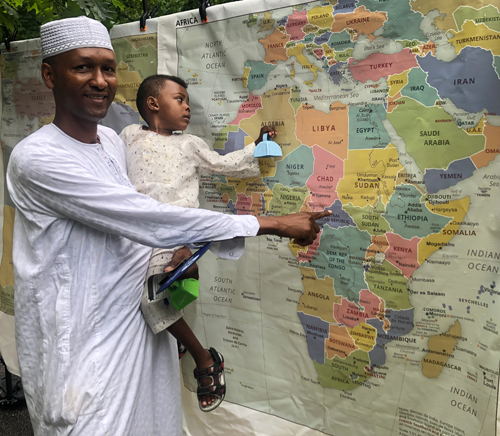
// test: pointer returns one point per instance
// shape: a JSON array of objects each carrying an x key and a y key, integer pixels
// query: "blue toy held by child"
[{"x": 267, "y": 148}]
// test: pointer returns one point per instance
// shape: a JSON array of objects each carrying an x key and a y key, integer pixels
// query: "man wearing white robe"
[{"x": 82, "y": 239}]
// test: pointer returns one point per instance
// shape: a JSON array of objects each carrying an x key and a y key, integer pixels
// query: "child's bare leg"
[{"x": 183, "y": 333}]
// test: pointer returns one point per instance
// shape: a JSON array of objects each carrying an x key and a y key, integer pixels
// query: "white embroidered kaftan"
[{"x": 89, "y": 363}]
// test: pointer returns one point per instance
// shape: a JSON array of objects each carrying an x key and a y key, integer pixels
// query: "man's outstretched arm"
[{"x": 302, "y": 226}]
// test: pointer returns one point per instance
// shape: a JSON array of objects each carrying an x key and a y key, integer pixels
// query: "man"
[{"x": 82, "y": 238}]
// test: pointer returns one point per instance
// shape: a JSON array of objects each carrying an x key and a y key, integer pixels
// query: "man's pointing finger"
[{"x": 322, "y": 214}]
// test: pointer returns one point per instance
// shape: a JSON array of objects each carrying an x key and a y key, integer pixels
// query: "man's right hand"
[{"x": 302, "y": 226}]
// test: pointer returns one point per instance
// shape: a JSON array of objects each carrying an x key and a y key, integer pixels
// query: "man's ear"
[
  {"x": 152, "y": 104},
  {"x": 48, "y": 75}
]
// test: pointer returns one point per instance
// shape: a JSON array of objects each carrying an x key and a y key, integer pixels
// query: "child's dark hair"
[{"x": 151, "y": 86}]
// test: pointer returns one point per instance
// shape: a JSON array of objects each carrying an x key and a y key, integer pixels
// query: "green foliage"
[
  {"x": 133, "y": 8},
  {"x": 28, "y": 15}
]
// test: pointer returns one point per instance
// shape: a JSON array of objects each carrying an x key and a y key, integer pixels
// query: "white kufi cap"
[{"x": 64, "y": 35}]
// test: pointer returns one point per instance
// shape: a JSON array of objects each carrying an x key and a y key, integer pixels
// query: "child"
[{"x": 165, "y": 164}]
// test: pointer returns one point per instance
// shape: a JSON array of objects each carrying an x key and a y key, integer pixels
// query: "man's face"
[
  {"x": 174, "y": 110},
  {"x": 84, "y": 83}
]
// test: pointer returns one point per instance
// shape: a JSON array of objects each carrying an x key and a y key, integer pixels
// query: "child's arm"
[{"x": 239, "y": 163}]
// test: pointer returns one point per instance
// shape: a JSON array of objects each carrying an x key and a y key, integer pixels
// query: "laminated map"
[
  {"x": 27, "y": 105},
  {"x": 388, "y": 115}
]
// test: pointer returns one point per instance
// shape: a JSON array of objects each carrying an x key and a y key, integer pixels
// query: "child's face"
[{"x": 173, "y": 101}]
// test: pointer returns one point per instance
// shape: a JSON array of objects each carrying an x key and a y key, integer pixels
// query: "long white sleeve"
[
  {"x": 60, "y": 185},
  {"x": 239, "y": 163}
]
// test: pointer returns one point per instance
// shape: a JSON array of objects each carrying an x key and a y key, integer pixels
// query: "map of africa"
[{"x": 386, "y": 112}]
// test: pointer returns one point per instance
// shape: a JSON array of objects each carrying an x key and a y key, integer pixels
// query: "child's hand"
[
  {"x": 180, "y": 255},
  {"x": 271, "y": 131}
]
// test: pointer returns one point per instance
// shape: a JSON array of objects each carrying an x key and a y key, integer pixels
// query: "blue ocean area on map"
[
  {"x": 469, "y": 87},
  {"x": 316, "y": 332},
  {"x": 435, "y": 180}
]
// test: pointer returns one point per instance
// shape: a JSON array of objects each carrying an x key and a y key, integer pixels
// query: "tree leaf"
[
  {"x": 118, "y": 4},
  {"x": 96, "y": 8}
]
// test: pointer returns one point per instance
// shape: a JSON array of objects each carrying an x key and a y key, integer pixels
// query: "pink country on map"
[
  {"x": 379, "y": 65},
  {"x": 243, "y": 205},
  {"x": 310, "y": 250},
  {"x": 328, "y": 170},
  {"x": 403, "y": 253},
  {"x": 350, "y": 315},
  {"x": 319, "y": 52},
  {"x": 371, "y": 303},
  {"x": 247, "y": 109},
  {"x": 294, "y": 25}
]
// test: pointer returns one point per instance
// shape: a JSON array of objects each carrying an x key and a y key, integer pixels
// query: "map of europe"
[{"x": 383, "y": 110}]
